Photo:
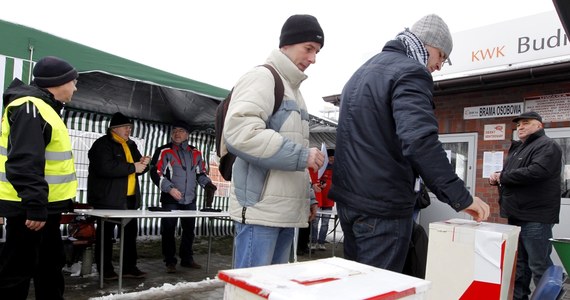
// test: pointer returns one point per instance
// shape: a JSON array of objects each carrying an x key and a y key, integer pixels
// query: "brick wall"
[{"x": 449, "y": 112}]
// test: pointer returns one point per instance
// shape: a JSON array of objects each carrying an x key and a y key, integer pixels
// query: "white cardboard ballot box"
[
  {"x": 470, "y": 260},
  {"x": 330, "y": 278}
]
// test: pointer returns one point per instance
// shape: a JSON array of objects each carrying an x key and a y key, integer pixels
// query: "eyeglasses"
[{"x": 178, "y": 130}]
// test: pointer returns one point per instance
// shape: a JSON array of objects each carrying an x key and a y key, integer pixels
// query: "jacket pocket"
[{"x": 249, "y": 182}]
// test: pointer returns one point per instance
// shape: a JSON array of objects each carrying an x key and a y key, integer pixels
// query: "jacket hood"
[{"x": 18, "y": 89}]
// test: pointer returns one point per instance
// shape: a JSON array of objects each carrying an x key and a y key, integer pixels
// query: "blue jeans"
[
  {"x": 168, "y": 228},
  {"x": 320, "y": 235},
  {"x": 257, "y": 245},
  {"x": 375, "y": 241},
  {"x": 534, "y": 249}
]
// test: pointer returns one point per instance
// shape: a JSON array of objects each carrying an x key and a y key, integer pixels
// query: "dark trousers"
[
  {"x": 168, "y": 230},
  {"x": 130, "y": 246},
  {"x": 533, "y": 256},
  {"x": 31, "y": 254},
  {"x": 303, "y": 239},
  {"x": 375, "y": 241}
]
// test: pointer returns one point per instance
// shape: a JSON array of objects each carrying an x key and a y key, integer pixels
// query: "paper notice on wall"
[
  {"x": 552, "y": 108},
  {"x": 492, "y": 162},
  {"x": 494, "y": 132}
]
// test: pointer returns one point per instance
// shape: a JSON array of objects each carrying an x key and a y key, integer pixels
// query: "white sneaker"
[
  {"x": 313, "y": 246},
  {"x": 322, "y": 247}
]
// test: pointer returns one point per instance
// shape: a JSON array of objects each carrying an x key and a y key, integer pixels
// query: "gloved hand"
[
  {"x": 211, "y": 186},
  {"x": 210, "y": 190}
]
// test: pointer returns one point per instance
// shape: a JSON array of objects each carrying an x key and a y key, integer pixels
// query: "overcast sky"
[{"x": 216, "y": 41}]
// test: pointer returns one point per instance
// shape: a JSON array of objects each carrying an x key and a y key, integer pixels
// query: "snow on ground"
[{"x": 170, "y": 291}]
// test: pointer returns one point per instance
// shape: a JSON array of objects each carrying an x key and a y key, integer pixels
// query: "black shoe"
[
  {"x": 305, "y": 251},
  {"x": 192, "y": 265},
  {"x": 134, "y": 273},
  {"x": 170, "y": 268},
  {"x": 110, "y": 275}
]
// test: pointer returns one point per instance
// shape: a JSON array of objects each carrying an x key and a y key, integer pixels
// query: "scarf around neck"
[
  {"x": 128, "y": 155},
  {"x": 415, "y": 49}
]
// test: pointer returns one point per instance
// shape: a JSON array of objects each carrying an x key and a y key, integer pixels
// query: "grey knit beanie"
[{"x": 433, "y": 31}]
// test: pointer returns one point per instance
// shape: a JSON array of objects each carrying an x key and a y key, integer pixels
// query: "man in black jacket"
[
  {"x": 114, "y": 165},
  {"x": 176, "y": 168},
  {"x": 37, "y": 180},
  {"x": 387, "y": 137},
  {"x": 529, "y": 187}
]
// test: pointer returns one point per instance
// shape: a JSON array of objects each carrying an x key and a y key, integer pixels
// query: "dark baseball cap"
[{"x": 528, "y": 115}]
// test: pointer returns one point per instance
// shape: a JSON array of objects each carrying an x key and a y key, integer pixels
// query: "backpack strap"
[{"x": 279, "y": 89}]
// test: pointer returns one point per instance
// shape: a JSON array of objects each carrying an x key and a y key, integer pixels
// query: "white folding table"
[{"x": 122, "y": 217}]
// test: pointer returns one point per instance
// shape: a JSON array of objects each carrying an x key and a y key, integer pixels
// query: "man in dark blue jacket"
[
  {"x": 529, "y": 187},
  {"x": 387, "y": 137}
]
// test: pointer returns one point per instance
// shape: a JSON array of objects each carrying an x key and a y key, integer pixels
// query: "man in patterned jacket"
[{"x": 176, "y": 168}]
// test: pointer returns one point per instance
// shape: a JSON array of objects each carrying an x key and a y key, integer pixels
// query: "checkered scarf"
[{"x": 415, "y": 49}]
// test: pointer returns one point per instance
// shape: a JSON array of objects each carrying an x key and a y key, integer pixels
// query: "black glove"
[
  {"x": 210, "y": 190},
  {"x": 211, "y": 186}
]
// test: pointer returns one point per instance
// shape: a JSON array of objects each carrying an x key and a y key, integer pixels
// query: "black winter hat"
[
  {"x": 528, "y": 115},
  {"x": 119, "y": 120},
  {"x": 301, "y": 28},
  {"x": 52, "y": 71},
  {"x": 181, "y": 124}
]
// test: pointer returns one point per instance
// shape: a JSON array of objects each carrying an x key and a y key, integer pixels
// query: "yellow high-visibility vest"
[{"x": 59, "y": 167}]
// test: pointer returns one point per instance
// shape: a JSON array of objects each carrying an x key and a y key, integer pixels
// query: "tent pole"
[{"x": 31, "y": 48}]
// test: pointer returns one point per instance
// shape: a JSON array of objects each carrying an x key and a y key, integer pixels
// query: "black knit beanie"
[
  {"x": 119, "y": 120},
  {"x": 52, "y": 71},
  {"x": 301, "y": 28},
  {"x": 181, "y": 124}
]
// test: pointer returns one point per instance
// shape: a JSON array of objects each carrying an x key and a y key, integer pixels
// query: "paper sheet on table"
[{"x": 324, "y": 167}]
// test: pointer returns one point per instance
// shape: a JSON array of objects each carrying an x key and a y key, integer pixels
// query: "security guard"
[{"x": 37, "y": 180}]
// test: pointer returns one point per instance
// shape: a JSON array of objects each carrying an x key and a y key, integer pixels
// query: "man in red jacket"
[{"x": 321, "y": 186}]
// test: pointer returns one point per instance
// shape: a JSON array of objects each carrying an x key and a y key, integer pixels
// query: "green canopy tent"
[{"x": 108, "y": 83}]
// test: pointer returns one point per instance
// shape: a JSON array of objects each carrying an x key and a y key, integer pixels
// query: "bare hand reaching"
[
  {"x": 317, "y": 188},
  {"x": 316, "y": 159},
  {"x": 35, "y": 225},
  {"x": 145, "y": 160},
  {"x": 313, "y": 213},
  {"x": 139, "y": 167},
  {"x": 479, "y": 210},
  {"x": 176, "y": 194},
  {"x": 495, "y": 178}
]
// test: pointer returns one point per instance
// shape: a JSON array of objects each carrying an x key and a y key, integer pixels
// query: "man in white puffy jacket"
[{"x": 269, "y": 192}]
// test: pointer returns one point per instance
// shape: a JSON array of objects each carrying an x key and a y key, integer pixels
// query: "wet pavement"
[
  {"x": 150, "y": 261},
  {"x": 186, "y": 283}
]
